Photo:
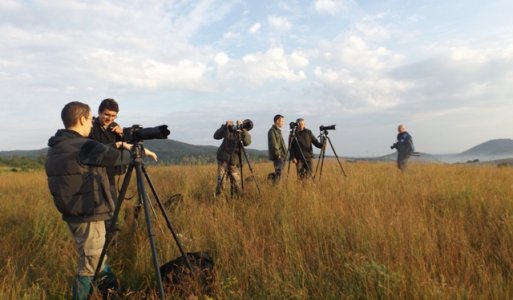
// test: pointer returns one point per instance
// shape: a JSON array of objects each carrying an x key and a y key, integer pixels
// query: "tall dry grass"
[{"x": 437, "y": 232}]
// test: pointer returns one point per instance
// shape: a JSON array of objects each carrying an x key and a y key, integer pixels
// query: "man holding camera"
[
  {"x": 301, "y": 151},
  {"x": 229, "y": 154},
  {"x": 404, "y": 147},
  {"x": 78, "y": 182},
  {"x": 108, "y": 132},
  {"x": 277, "y": 148}
]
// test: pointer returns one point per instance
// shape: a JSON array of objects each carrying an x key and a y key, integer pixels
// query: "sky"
[{"x": 442, "y": 68}]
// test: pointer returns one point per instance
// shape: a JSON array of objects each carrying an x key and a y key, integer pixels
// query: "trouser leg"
[{"x": 221, "y": 174}]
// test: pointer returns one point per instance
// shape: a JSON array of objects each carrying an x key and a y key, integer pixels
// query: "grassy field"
[{"x": 437, "y": 232}]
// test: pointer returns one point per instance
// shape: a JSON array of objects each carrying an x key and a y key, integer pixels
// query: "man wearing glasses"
[{"x": 108, "y": 132}]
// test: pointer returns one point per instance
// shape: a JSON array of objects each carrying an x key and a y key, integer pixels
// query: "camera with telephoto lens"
[
  {"x": 137, "y": 133},
  {"x": 325, "y": 128},
  {"x": 245, "y": 125},
  {"x": 293, "y": 125}
]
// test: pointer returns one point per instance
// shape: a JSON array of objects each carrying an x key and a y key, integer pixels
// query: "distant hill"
[
  {"x": 175, "y": 152},
  {"x": 499, "y": 147},
  {"x": 168, "y": 151},
  {"x": 489, "y": 151}
]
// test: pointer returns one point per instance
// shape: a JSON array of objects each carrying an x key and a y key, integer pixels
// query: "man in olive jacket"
[
  {"x": 228, "y": 155},
  {"x": 277, "y": 148},
  {"x": 303, "y": 147},
  {"x": 78, "y": 182}
]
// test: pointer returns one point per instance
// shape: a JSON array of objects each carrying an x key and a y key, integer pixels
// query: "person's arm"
[
  {"x": 315, "y": 141},
  {"x": 94, "y": 153},
  {"x": 246, "y": 138},
  {"x": 221, "y": 132},
  {"x": 273, "y": 145}
]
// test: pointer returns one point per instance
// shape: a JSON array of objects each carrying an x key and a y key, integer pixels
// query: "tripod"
[
  {"x": 137, "y": 164},
  {"x": 324, "y": 140},
  {"x": 293, "y": 138},
  {"x": 238, "y": 145}
]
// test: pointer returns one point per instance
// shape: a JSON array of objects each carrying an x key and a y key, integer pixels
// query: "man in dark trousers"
[
  {"x": 78, "y": 183},
  {"x": 228, "y": 155},
  {"x": 277, "y": 148},
  {"x": 404, "y": 147},
  {"x": 303, "y": 147},
  {"x": 108, "y": 132}
]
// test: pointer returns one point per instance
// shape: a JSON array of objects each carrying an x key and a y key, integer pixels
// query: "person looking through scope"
[
  {"x": 229, "y": 154},
  {"x": 404, "y": 147},
  {"x": 277, "y": 148},
  {"x": 303, "y": 148},
  {"x": 108, "y": 132},
  {"x": 78, "y": 182}
]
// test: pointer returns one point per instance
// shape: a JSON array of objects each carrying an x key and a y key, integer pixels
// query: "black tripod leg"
[
  {"x": 151, "y": 234},
  {"x": 112, "y": 225},
  {"x": 241, "y": 167},
  {"x": 320, "y": 162},
  {"x": 166, "y": 217},
  {"x": 250, "y": 169},
  {"x": 339, "y": 163}
]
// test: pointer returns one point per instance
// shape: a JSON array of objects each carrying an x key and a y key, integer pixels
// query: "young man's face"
[
  {"x": 280, "y": 122},
  {"x": 106, "y": 117}
]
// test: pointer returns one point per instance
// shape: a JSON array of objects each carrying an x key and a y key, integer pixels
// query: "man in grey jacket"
[
  {"x": 78, "y": 182},
  {"x": 277, "y": 148}
]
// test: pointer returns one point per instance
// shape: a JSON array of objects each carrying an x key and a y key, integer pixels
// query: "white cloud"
[
  {"x": 255, "y": 28},
  {"x": 330, "y": 6},
  {"x": 221, "y": 58},
  {"x": 279, "y": 23},
  {"x": 273, "y": 64}
]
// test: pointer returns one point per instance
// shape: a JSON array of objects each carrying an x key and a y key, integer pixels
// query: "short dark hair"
[
  {"x": 72, "y": 112},
  {"x": 277, "y": 117},
  {"x": 109, "y": 104}
]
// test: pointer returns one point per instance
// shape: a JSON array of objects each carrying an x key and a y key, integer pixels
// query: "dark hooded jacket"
[
  {"x": 77, "y": 176},
  {"x": 229, "y": 150},
  {"x": 107, "y": 137},
  {"x": 404, "y": 145},
  {"x": 305, "y": 139}
]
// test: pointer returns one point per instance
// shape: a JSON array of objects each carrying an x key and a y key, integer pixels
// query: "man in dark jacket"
[
  {"x": 108, "y": 132},
  {"x": 78, "y": 182},
  {"x": 228, "y": 155},
  {"x": 404, "y": 147},
  {"x": 277, "y": 148},
  {"x": 303, "y": 147}
]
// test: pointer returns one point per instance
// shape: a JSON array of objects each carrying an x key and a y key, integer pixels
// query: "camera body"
[
  {"x": 137, "y": 133},
  {"x": 325, "y": 128},
  {"x": 246, "y": 125},
  {"x": 293, "y": 125}
]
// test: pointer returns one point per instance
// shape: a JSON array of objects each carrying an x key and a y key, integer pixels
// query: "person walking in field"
[
  {"x": 404, "y": 147},
  {"x": 78, "y": 182},
  {"x": 276, "y": 146}
]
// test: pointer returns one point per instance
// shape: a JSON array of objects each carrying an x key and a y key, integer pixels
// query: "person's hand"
[
  {"x": 117, "y": 129},
  {"x": 124, "y": 145},
  {"x": 151, "y": 154},
  {"x": 294, "y": 161}
]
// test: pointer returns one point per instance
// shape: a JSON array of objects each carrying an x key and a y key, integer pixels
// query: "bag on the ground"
[{"x": 180, "y": 281}]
